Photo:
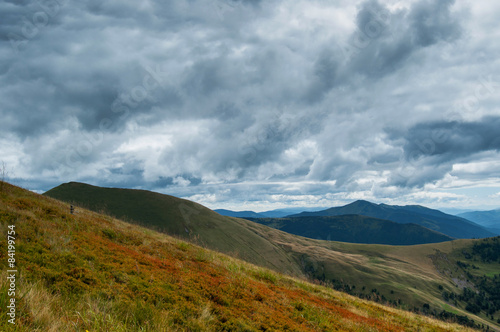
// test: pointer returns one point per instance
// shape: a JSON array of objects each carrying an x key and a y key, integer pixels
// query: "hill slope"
[
  {"x": 405, "y": 276},
  {"x": 433, "y": 219},
  {"x": 181, "y": 218},
  {"x": 355, "y": 229},
  {"x": 91, "y": 272},
  {"x": 485, "y": 218}
]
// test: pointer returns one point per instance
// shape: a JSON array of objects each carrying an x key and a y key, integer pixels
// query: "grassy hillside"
[
  {"x": 438, "y": 221},
  {"x": 179, "y": 217},
  {"x": 355, "y": 229},
  {"x": 405, "y": 276},
  {"x": 87, "y": 271},
  {"x": 412, "y": 277}
]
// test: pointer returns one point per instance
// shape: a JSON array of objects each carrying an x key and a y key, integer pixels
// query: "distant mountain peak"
[
  {"x": 362, "y": 202},
  {"x": 436, "y": 220}
]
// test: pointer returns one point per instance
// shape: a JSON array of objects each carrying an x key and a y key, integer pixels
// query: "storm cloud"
[
  {"x": 453, "y": 140},
  {"x": 258, "y": 103}
]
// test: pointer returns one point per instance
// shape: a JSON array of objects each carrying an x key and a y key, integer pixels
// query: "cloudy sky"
[{"x": 257, "y": 104}]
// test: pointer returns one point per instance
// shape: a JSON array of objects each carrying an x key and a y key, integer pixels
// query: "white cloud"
[{"x": 497, "y": 195}]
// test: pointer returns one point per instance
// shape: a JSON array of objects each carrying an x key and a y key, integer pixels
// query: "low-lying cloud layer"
[{"x": 255, "y": 104}]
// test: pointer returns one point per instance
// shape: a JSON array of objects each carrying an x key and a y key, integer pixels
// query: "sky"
[{"x": 255, "y": 105}]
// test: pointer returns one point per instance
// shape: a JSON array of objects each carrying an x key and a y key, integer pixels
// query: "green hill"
[
  {"x": 411, "y": 277},
  {"x": 181, "y": 218},
  {"x": 435, "y": 220},
  {"x": 355, "y": 229},
  {"x": 90, "y": 272}
]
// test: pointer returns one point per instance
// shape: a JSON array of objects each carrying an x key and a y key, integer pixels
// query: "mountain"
[
  {"x": 494, "y": 230},
  {"x": 411, "y": 277},
  {"x": 488, "y": 219},
  {"x": 435, "y": 220},
  {"x": 239, "y": 214},
  {"x": 278, "y": 213},
  {"x": 485, "y": 218},
  {"x": 355, "y": 229},
  {"x": 454, "y": 211},
  {"x": 90, "y": 272}
]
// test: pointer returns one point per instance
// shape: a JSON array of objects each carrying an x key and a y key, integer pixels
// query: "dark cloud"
[
  {"x": 431, "y": 149},
  {"x": 219, "y": 98},
  {"x": 452, "y": 140},
  {"x": 385, "y": 39},
  {"x": 325, "y": 76},
  {"x": 432, "y": 21}
]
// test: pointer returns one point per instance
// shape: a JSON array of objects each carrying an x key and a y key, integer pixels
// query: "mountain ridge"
[
  {"x": 489, "y": 218},
  {"x": 355, "y": 229},
  {"x": 276, "y": 213},
  {"x": 239, "y": 214},
  {"x": 433, "y": 219}
]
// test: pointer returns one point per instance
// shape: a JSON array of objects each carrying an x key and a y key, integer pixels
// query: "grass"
[
  {"x": 92, "y": 272},
  {"x": 406, "y": 276},
  {"x": 181, "y": 218}
]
